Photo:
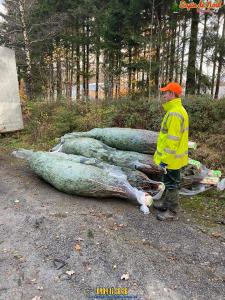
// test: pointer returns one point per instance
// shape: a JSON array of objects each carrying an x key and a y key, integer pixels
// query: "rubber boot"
[
  {"x": 167, "y": 215},
  {"x": 171, "y": 202},
  {"x": 161, "y": 204}
]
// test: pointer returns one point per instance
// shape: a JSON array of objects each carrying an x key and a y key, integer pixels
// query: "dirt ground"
[{"x": 44, "y": 234}]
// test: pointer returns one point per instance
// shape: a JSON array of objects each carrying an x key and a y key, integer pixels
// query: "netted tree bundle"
[
  {"x": 90, "y": 147},
  {"x": 81, "y": 179},
  {"x": 138, "y": 140},
  {"x": 136, "y": 178}
]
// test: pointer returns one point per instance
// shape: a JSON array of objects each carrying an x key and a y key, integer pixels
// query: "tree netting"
[
  {"x": 69, "y": 176},
  {"x": 137, "y": 140},
  {"x": 90, "y": 147}
]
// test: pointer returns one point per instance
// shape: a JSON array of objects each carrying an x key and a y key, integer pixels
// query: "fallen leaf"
[
  {"x": 77, "y": 247},
  {"x": 216, "y": 234},
  {"x": 70, "y": 272},
  {"x": 125, "y": 276}
]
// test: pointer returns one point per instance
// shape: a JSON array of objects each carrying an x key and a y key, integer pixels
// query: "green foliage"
[
  {"x": 207, "y": 208},
  {"x": 205, "y": 114},
  {"x": 174, "y": 7},
  {"x": 137, "y": 112},
  {"x": 46, "y": 122}
]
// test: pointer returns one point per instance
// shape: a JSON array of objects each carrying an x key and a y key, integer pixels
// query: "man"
[{"x": 172, "y": 150}]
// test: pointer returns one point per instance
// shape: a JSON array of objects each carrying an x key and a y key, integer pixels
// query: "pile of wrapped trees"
[{"x": 109, "y": 162}]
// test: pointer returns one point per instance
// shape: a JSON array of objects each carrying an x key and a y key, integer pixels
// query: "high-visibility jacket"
[{"x": 172, "y": 143}]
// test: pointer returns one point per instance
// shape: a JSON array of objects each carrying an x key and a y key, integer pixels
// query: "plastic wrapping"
[
  {"x": 221, "y": 185},
  {"x": 196, "y": 189},
  {"x": 79, "y": 179}
]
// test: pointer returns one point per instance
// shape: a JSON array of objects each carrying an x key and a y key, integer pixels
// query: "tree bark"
[
  {"x": 97, "y": 74},
  {"x": 71, "y": 73},
  {"x": 183, "y": 49},
  {"x": 215, "y": 57},
  {"x": 168, "y": 57},
  {"x": 202, "y": 53},
  {"x": 27, "y": 48},
  {"x": 129, "y": 69},
  {"x": 191, "y": 68},
  {"x": 220, "y": 63},
  {"x": 84, "y": 63},
  {"x": 87, "y": 60},
  {"x": 78, "y": 72},
  {"x": 173, "y": 48},
  {"x": 177, "y": 54},
  {"x": 59, "y": 78}
]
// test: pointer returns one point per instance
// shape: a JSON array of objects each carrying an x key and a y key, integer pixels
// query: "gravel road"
[{"x": 57, "y": 246}]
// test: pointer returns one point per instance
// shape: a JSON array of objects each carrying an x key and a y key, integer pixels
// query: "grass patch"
[{"x": 207, "y": 207}]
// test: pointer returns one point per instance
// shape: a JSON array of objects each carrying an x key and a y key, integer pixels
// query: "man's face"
[{"x": 167, "y": 96}]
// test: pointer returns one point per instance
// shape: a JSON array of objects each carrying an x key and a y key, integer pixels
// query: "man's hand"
[{"x": 163, "y": 166}]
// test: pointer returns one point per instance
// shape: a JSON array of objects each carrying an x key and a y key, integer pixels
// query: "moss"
[{"x": 207, "y": 208}]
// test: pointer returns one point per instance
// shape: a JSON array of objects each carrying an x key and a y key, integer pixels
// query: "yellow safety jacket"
[{"x": 172, "y": 143}]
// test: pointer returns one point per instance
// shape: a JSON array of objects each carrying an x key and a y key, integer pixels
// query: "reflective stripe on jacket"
[{"x": 172, "y": 143}]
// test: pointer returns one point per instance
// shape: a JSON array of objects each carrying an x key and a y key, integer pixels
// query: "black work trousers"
[{"x": 170, "y": 196}]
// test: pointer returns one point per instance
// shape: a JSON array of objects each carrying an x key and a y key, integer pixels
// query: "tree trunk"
[
  {"x": 173, "y": 48},
  {"x": 84, "y": 63},
  {"x": 27, "y": 48},
  {"x": 183, "y": 49},
  {"x": 71, "y": 73},
  {"x": 220, "y": 63},
  {"x": 177, "y": 53},
  {"x": 106, "y": 74},
  {"x": 58, "y": 73},
  {"x": 129, "y": 69},
  {"x": 97, "y": 74},
  {"x": 87, "y": 60},
  {"x": 215, "y": 57},
  {"x": 52, "y": 82},
  {"x": 59, "y": 78},
  {"x": 158, "y": 46},
  {"x": 202, "y": 54},
  {"x": 168, "y": 57},
  {"x": 191, "y": 68},
  {"x": 111, "y": 75},
  {"x": 133, "y": 77},
  {"x": 78, "y": 72},
  {"x": 143, "y": 70},
  {"x": 67, "y": 72},
  {"x": 157, "y": 60},
  {"x": 119, "y": 73}
]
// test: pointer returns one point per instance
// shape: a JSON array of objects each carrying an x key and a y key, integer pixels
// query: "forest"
[{"x": 76, "y": 49}]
